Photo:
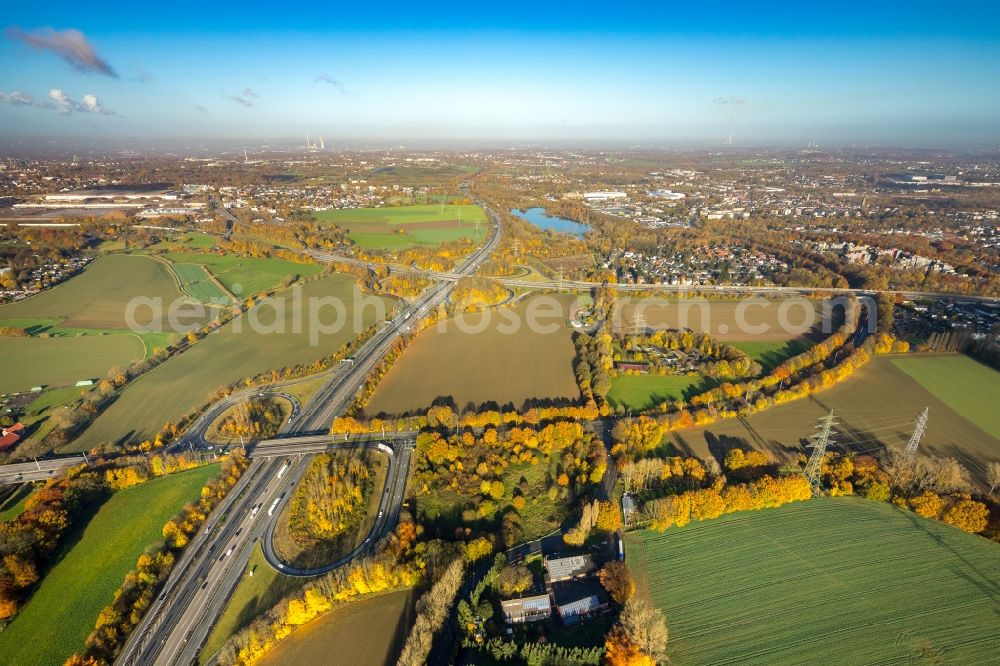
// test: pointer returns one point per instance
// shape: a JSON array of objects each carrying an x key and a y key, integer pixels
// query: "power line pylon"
[
  {"x": 918, "y": 433},
  {"x": 821, "y": 439}
]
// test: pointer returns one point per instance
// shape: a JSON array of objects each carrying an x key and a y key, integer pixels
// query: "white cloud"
[
  {"x": 61, "y": 101},
  {"x": 17, "y": 98},
  {"x": 66, "y": 105}
]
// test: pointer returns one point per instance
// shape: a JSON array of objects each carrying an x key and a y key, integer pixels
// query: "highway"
[
  {"x": 180, "y": 620},
  {"x": 583, "y": 285},
  {"x": 37, "y": 470}
]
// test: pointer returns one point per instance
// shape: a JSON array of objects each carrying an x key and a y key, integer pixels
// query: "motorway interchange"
[{"x": 179, "y": 621}]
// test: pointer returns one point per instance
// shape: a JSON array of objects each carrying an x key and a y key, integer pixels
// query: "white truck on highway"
[
  {"x": 274, "y": 504},
  {"x": 284, "y": 467}
]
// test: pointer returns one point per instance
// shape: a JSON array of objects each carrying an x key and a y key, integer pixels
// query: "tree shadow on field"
[
  {"x": 675, "y": 444},
  {"x": 972, "y": 573},
  {"x": 720, "y": 445},
  {"x": 543, "y": 403},
  {"x": 248, "y": 613},
  {"x": 72, "y": 537},
  {"x": 401, "y": 631},
  {"x": 445, "y": 401},
  {"x": 125, "y": 439}
]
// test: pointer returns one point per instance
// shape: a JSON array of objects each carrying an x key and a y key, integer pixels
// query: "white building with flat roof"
[{"x": 604, "y": 195}]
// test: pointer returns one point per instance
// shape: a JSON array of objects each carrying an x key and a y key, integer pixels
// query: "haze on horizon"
[{"x": 915, "y": 73}]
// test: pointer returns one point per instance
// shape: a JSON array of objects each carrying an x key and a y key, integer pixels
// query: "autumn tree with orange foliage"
[
  {"x": 617, "y": 580},
  {"x": 708, "y": 503},
  {"x": 28, "y": 541}
]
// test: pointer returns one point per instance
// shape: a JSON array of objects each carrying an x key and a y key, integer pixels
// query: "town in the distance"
[{"x": 329, "y": 399}]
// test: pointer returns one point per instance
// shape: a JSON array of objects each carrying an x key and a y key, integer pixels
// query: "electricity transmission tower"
[
  {"x": 918, "y": 433},
  {"x": 821, "y": 439}
]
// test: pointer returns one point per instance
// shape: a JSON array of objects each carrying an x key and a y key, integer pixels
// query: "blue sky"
[{"x": 891, "y": 72}]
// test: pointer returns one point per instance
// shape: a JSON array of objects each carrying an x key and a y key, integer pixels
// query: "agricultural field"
[
  {"x": 244, "y": 276},
  {"x": 969, "y": 387},
  {"x": 728, "y": 320},
  {"x": 831, "y": 580},
  {"x": 85, "y": 578},
  {"x": 640, "y": 392},
  {"x": 239, "y": 349},
  {"x": 187, "y": 240},
  {"x": 29, "y": 362},
  {"x": 80, "y": 329},
  {"x": 875, "y": 407},
  {"x": 197, "y": 282},
  {"x": 486, "y": 359},
  {"x": 367, "y": 632},
  {"x": 180, "y": 240},
  {"x": 403, "y": 226},
  {"x": 97, "y": 298}
]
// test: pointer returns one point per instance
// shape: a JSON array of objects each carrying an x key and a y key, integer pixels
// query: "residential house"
[
  {"x": 578, "y": 599},
  {"x": 527, "y": 609},
  {"x": 567, "y": 568}
]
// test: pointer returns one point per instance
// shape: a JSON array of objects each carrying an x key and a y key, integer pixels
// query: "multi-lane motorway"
[
  {"x": 37, "y": 470},
  {"x": 179, "y": 621}
]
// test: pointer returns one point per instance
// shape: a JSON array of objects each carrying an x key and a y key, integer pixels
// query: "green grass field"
[
  {"x": 12, "y": 507},
  {"x": 402, "y": 226},
  {"x": 194, "y": 240},
  {"x": 367, "y": 632},
  {"x": 29, "y": 362},
  {"x": 244, "y": 276},
  {"x": 828, "y": 581},
  {"x": 640, "y": 392},
  {"x": 237, "y": 350},
  {"x": 197, "y": 282},
  {"x": 771, "y": 353},
  {"x": 61, "y": 613},
  {"x": 969, "y": 387},
  {"x": 54, "y": 398}
]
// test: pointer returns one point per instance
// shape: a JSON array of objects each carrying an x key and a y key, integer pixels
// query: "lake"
[{"x": 538, "y": 218}]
